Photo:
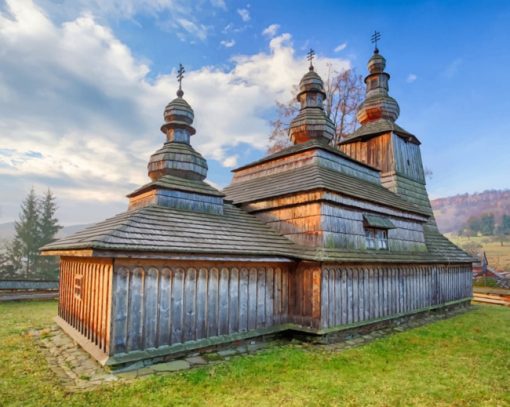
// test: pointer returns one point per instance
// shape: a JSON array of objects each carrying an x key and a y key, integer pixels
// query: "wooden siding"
[
  {"x": 320, "y": 157},
  {"x": 389, "y": 153},
  {"x": 157, "y": 303},
  {"x": 352, "y": 294},
  {"x": 88, "y": 312},
  {"x": 376, "y": 152},
  {"x": 197, "y": 202},
  {"x": 305, "y": 295},
  {"x": 332, "y": 221}
]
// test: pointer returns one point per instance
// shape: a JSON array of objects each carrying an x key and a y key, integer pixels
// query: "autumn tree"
[{"x": 344, "y": 94}]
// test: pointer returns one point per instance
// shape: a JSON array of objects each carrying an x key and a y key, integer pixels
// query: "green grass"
[{"x": 462, "y": 361}]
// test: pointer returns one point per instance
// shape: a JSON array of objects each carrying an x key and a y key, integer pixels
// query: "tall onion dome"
[
  {"x": 177, "y": 157},
  {"x": 312, "y": 122},
  {"x": 377, "y": 104}
]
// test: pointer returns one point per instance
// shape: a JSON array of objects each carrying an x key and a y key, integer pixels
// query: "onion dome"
[
  {"x": 312, "y": 121},
  {"x": 377, "y": 104},
  {"x": 177, "y": 157}
]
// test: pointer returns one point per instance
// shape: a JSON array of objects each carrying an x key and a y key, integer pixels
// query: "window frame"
[{"x": 376, "y": 238}]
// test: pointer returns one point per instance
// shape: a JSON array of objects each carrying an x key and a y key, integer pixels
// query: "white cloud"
[
  {"x": 196, "y": 30},
  {"x": 228, "y": 43},
  {"x": 271, "y": 30},
  {"x": 411, "y": 78},
  {"x": 86, "y": 126},
  {"x": 340, "y": 47},
  {"x": 244, "y": 14},
  {"x": 230, "y": 161},
  {"x": 219, "y": 4}
]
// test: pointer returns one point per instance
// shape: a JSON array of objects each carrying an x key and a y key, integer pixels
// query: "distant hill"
[
  {"x": 7, "y": 230},
  {"x": 453, "y": 212}
]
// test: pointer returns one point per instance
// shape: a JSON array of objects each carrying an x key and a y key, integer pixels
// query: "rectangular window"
[
  {"x": 376, "y": 239},
  {"x": 78, "y": 280}
]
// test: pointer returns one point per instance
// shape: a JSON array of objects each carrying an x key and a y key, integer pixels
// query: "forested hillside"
[{"x": 452, "y": 213}]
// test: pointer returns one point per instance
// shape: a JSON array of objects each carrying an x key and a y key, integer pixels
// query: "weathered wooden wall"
[
  {"x": 165, "y": 303},
  {"x": 351, "y": 294},
  {"x": 323, "y": 158},
  {"x": 326, "y": 219},
  {"x": 388, "y": 153},
  {"x": 305, "y": 295},
  {"x": 88, "y": 313}
]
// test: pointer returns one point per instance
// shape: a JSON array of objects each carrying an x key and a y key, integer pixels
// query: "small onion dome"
[
  {"x": 378, "y": 107},
  {"x": 311, "y": 82},
  {"x": 376, "y": 63},
  {"x": 178, "y": 114},
  {"x": 178, "y": 159},
  {"x": 311, "y": 123},
  {"x": 378, "y": 104}
]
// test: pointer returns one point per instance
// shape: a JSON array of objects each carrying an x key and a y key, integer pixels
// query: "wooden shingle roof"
[
  {"x": 161, "y": 229},
  {"x": 312, "y": 177},
  {"x": 155, "y": 229},
  {"x": 298, "y": 148},
  {"x": 179, "y": 184},
  {"x": 376, "y": 127}
]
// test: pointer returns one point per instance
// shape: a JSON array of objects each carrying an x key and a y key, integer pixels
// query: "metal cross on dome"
[
  {"x": 376, "y": 36},
  {"x": 310, "y": 56},
  {"x": 180, "y": 75}
]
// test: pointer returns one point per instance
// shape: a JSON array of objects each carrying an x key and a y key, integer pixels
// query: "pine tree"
[
  {"x": 26, "y": 243},
  {"x": 48, "y": 228}
]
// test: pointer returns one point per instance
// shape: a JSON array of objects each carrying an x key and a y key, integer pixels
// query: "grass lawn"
[{"x": 463, "y": 361}]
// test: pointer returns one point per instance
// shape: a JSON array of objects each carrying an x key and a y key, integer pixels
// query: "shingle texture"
[
  {"x": 312, "y": 177},
  {"x": 298, "y": 148},
  {"x": 377, "y": 127},
  {"x": 165, "y": 230},
  {"x": 179, "y": 184},
  {"x": 160, "y": 229}
]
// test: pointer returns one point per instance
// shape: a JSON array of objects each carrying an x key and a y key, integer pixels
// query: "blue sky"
[{"x": 83, "y": 85}]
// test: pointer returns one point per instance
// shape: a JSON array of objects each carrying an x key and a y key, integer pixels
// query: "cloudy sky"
[{"x": 83, "y": 84}]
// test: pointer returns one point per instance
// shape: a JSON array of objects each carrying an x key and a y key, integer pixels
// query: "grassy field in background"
[
  {"x": 462, "y": 361},
  {"x": 498, "y": 255}
]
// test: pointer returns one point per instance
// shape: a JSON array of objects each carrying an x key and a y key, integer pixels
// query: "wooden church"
[{"x": 314, "y": 238}]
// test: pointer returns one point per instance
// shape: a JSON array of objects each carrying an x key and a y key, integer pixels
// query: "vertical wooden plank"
[
  {"x": 285, "y": 293},
  {"x": 177, "y": 305},
  {"x": 355, "y": 294},
  {"x": 233, "y": 321},
  {"x": 243, "y": 298},
  {"x": 201, "y": 311},
  {"x": 190, "y": 293},
  {"x": 102, "y": 304},
  {"x": 150, "y": 307},
  {"x": 338, "y": 295},
  {"x": 223, "y": 301},
  {"x": 252, "y": 299},
  {"x": 325, "y": 298},
  {"x": 120, "y": 309},
  {"x": 165, "y": 307},
  {"x": 345, "y": 295},
  {"x": 261, "y": 297},
  {"x": 135, "y": 314},
  {"x": 270, "y": 297},
  {"x": 213, "y": 302},
  {"x": 350, "y": 306},
  {"x": 277, "y": 296},
  {"x": 331, "y": 296}
]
